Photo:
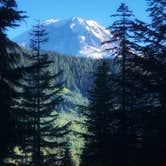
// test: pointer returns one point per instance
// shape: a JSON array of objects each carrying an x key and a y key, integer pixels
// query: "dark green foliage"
[
  {"x": 143, "y": 79},
  {"x": 126, "y": 114},
  {"x": 98, "y": 112},
  {"x": 130, "y": 90},
  {"x": 77, "y": 77},
  {"x": 151, "y": 71},
  {"x": 76, "y": 71},
  {"x": 8, "y": 75},
  {"x": 124, "y": 50},
  {"x": 67, "y": 159},
  {"x": 41, "y": 94},
  {"x": 9, "y": 15}
]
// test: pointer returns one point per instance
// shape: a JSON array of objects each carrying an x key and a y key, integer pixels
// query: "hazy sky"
[{"x": 99, "y": 10}]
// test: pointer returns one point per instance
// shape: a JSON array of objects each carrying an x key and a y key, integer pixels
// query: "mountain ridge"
[{"x": 74, "y": 36}]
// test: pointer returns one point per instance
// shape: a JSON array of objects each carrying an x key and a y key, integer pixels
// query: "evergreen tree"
[
  {"x": 127, "y": 116},
  {"x": 157, "y": 11},
  {"x": 41, "y": 96},
  {"x": 151, "y": 71},
  {"x": 156, "y": 43},
  {"x": 98, "y": 112},
  {"x": 9, "y": 15},
  {"x": 147, "y": 76},
  {"x": 123, "y": 48}
]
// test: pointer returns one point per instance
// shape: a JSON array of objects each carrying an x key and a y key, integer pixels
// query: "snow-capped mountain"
[{"x": 74, "y": 36}]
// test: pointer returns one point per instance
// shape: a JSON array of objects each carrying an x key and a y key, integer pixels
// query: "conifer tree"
[
  {"x": 98, "y": 112},
  {"x": 147, "y": 71},
  {"x": 9, "y": 16},
  {"x": 40, "y": 98},
  {"x": 152, "y": 73},
  {"x": 124, "y": 47},
  {"x": 157, "y": 11}
]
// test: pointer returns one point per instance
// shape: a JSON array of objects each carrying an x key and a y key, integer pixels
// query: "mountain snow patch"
[{"x": 74, "y": 36}]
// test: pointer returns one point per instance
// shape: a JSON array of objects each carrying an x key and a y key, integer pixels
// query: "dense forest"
[{"x": 61, "y": 110}]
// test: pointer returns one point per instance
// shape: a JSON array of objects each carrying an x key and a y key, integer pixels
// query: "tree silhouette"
[
  {"x": 124, "y": 47},
  {"x": 151, "y": 71},
  {"x": 98, "y": 112},
  {"x": 41, "y": 95},
  {"x": 9, "y": 15}
]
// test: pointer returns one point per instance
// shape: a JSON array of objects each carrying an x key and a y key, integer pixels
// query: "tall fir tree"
[
  {"x": 151, "y": 69},
  {"x": 124, "y": 47},
  {"x": 98, "y": 112},
  {"x": 157, "y": 11},
  {"x": 40, "y": 97},
  {"x": 9, "y": 16}
]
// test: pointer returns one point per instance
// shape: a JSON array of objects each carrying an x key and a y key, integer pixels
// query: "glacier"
[{"x": 73, "y": 36}]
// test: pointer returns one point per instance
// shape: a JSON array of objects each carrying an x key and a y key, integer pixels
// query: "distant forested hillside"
[
  {"x": 77, "y": 77},
  {"x": 77, "y": 71},
  {"x": 76, "y": 74}
]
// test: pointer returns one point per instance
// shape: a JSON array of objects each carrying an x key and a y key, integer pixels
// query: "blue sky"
[{"x": 99, "y": 10}]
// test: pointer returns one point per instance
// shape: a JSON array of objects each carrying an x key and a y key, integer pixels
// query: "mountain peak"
[{"x": 75, "y": 36}]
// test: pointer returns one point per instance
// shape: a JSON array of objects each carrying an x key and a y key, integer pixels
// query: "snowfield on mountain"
[{"x": 74, "y": 36}]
